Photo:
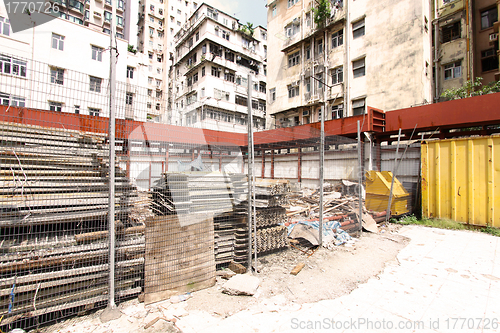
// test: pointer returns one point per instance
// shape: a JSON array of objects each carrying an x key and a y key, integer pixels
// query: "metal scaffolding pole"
[
  {"x": 112, "y": 312},
  {"x": 250, "y": 170}
]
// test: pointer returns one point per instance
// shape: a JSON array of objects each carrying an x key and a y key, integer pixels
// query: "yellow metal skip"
[{"x": 460, "y": 180}]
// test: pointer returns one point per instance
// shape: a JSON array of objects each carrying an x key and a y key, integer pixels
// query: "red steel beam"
[{"x": 460, "y": 113}]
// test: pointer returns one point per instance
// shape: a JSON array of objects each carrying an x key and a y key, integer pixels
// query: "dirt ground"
[{"x": 327, "y": 274}]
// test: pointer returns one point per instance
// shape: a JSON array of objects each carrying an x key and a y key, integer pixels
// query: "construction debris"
[
  {"x": 297, "y": 268},
  {"x": 241, "y": 284},
  {"x": 54, "y": 196}
]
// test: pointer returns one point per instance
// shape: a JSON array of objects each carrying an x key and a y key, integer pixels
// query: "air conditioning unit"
[
  {"x": 226, "y": 71},
  {"x": 219, "y": 69},
  {"x": 238, "y": 58},
  {"x": 295, "y": 83},
  {"x": 493, "y": 37},
  {"x": 296, "y": 20}
]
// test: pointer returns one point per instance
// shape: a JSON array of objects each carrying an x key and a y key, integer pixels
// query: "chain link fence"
[{"x": 184, "y": 202}]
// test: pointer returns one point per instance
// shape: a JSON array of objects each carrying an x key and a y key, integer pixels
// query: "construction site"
[{"x": 188, "y": 206}]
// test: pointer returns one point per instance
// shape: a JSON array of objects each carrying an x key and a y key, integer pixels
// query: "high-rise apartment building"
[
  {"x": 375, "y": 53},
  {"x": 158, "y": 22},
  {"x": 214, "y": 56}
]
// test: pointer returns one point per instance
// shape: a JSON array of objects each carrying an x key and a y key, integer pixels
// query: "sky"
[{"x": 253, "y": 11}]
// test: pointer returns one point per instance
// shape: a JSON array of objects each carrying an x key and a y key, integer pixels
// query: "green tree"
[
  {"x": 248, "y": 28},
  {"x": 472, "y": 88},
  {"x": 131, "y": 49},
  {"x": 322, "y": 12}
]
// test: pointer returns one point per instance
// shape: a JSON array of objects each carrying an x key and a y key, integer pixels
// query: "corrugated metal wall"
[{"x": 460, "y": 180}]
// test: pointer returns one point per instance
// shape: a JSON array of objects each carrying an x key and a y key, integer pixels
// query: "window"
[
  {"x": 319, "y": 80},
  {"x": 292, "y": 2},
  {"x": 130, "y": 72},
  {"x": 159, "y": 94},
  {"x": 337, "y": 75},
  {"x": 160, "y": 34},
  {"x": 320, "y": 46},
  {"x": 151, "y": 19},
  {"x": 228, "y": 55},
  {"x": 107, "y": 16},
  {"x": 358, "y": 107},
  {"x": 150, "y": 54},
  {"x": 229, "y": 77},
  {"x": 308, "y": 52},
  {"x": 87, "y": 15},
  {"x": 6, "y": 99},
  {"x": 191, "y": 99},
  {"x": 358, "y": 28},
  {"x": 151, "y": 32},
  {"x": 4, "y": 26},
  {"x": 275, "y": 11},
  {"x": 203, "y": 71},
  {"x": 129, "y": 98},
  {"x": 292, "y": 29},
  {"x": 152, "y": 8},
  {"x": 150, "y": 92},
  {"x": 453, "y": 70},
  {"x": 216, "y": 71},
  {"x": 57, "y": 42},
  {"x": 308, "y": 19},
  {"x": 160, "y": 11},
  {"x": 272, "y": 93},
  {"x": 293, "y": 90},
  {"x": 225, "y": 34},
  {"x": 197, "y": 36},
  {"x": 55, "y": 106},
  {"x": 489, "y": 60},
  {"x": 120, "y": 4},
  {"x": 488, "y": 17},
  {"x": 451, "y": 32},
  {"x": 97, "y": 53},
  {"x": 150, "y": 80},
  {"x": 337, "y": 111},
  {"x": 77, "y": 109},
  {"x": 158, "y": 83},
  {"x": 179, "y": 12},
  {"x": 95, "y": 84},
  {"x": 293, "y": 59},
  {"x": 213, "y": 13},
  {"x": 358, "y": 68},
  {"x": 240, "y": 100},
  {"x": 57, "y": 75},
  {"x": 94, "y": 112},
  {"x": 307, "y": 83},
  {"x": 337, "y": 38},
  {"x": 9, "y": 65}
]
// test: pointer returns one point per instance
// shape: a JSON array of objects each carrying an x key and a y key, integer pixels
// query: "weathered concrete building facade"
[
  {"x": 465, "y": 44},
  {"x": 375, "y": 53},
  {"x": 214, "y": 54}
]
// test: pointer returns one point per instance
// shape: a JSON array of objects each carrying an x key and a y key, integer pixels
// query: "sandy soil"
[{"x": 327, "y": 273}]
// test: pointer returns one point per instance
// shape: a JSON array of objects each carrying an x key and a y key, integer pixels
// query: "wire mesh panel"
[
  {"x": 393, "y": 175},
  {"x": 53, "y": 222}
]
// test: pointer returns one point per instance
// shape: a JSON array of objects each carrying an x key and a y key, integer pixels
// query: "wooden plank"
[{"x": 178, "y": 257}]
